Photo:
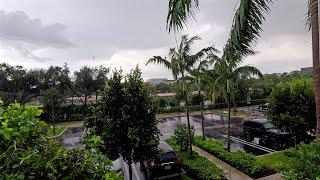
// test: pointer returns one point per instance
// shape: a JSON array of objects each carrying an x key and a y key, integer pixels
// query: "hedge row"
[
  {"x": 213, "y": 106},
  {"x": 242, "y": 161},
  {"x": 198, "y": 167},
  {"x": 79, "y": 112},
  {"x": 71, "y": 112}
]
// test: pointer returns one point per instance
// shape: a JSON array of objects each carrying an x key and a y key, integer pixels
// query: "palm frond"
[
  {"x": 211, "y": 50},
  {"x": 159, "y": 60},
  {"x": 179, "y": 13},
  {"x": 245, "y": 71},
  {"x": 246, "y": 27},
  {"x": 308, "y": 15}
]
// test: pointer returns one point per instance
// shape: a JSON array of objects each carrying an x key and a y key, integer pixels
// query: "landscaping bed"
[
  {"x": 295, "y": 163},
  {"x": 245, "y": 162},
  {"x": 198, "y": 167}
]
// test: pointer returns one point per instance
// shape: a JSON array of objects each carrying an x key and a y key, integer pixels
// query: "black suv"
[
  {"x": 267, "y": 134},
  {"x": 165, "y": 165}
]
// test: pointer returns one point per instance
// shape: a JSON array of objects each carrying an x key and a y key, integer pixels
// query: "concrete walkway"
[{"x": 230, "y": 172}]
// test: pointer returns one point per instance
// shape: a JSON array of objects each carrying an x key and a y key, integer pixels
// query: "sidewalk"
[{"x": 231, "y": 172}]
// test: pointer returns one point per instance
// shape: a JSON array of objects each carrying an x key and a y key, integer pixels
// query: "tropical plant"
[
  {"x": 225, "y": 74},
  {"x": 181, "y": 60},
  {"x": 52, "y": 100},
  {"x": 246, "y": 29},
  {"x": 26, "y": 152},
  {"x": 198, "y": 76},
  {"x": 180, "y": 135}
]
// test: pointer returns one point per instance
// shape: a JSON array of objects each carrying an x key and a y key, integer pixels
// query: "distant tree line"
[{"x": 18, "y": 84}]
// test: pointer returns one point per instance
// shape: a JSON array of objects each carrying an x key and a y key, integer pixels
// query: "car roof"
[
  {"x": 256, "y": 120},
  {"x": 165, "y": 147}
]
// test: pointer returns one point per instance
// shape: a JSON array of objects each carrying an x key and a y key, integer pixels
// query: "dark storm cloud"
[{"x": 122, "y": 33}]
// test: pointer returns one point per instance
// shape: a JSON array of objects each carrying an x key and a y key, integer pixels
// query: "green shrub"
[
  {"x": 240, "y": 160},
  {"x": 198, "y": 167},
  {"x": 26, "y": 153},
  {"x": 293, "y": 108},
  {"x": 181, "y": 137},
  {"x": 306, "y": 160}
]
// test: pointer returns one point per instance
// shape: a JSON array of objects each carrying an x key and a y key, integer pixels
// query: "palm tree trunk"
[
  {"x": 229, "y": 114},
  {"x": 201, "y": 110},
  {"x": 229, "y": 111},
  {"x": 315, "y": 52},
  {"x": 234, "y": 106},
  {"x": 188, "y": 118},
  {"x": 53, "y": 120},
  {"x": 130, "y": 170}
]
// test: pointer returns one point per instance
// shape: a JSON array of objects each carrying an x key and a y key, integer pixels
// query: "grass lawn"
[
  {"x": 59, "y": 129},
  {"x": 185, "y": 177},
  {"x": 71, "y": 124},
  {"x": 61, "y": 126},
  {"x": 277, "y": 161}
]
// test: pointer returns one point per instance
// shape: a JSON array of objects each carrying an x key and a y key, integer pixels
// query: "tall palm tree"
[
  {"x": 181, "y": 60},
  {"x": 225, "y": 74},
  {"x": 246, "y": 29},
  {"x": 198, "y": 76},
  {"x": 313, "y": 4}
]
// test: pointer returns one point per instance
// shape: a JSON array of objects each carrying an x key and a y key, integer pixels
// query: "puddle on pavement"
[
  {"x": 72, "y": 137},
  {"x": 215, "y": 127}
]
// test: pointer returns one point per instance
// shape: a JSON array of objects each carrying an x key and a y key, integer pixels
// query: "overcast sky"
[{"x": 123, "y": 33}]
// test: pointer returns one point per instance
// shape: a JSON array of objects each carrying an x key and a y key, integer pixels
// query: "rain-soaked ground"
[
  {"x": 72, "y": 137},
  {"x": 215, "y": 127}
]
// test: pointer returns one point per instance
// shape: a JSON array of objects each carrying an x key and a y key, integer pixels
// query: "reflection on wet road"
[{"x": 72, "y": 137}]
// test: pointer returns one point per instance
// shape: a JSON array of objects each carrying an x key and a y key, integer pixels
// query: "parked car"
[
  {"x": 263, "y": 107},
  {"x": 266, "y": 133},
  {"x": 166, "y": 165}
]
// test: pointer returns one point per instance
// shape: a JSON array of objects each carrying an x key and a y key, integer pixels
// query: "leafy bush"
[
  {"x": 71, "y": 112},
  {"x": 26, "y": 153},
  {"x": 279, "y": 161},
  {"x": 181, "y": 137},
  {"x": 306, "y": 160},
  {"x": 240, "y": 160},
  {"x": 293, "y": 108},
  {"x": 198, "y": 167}
]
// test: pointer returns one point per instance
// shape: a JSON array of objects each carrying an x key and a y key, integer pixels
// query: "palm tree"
[
  {"x": 313, "y": 4},
  {"x": 181, "y": 60},
  {"x": 225, "y": 73},
  {"x": 199, "y": 74},
  {"x": 246, "y": 29}
]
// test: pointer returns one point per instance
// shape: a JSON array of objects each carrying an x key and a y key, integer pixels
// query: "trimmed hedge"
[
  {"x": 198, "y": 167},
  {"x": 215, "y": 106},
  {"x": 242, "y": 161},
  {"x": 67, "y": 113}
]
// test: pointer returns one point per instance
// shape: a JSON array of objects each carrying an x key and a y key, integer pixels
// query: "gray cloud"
[
  {"x": 24, "y": 34},
  {"x": 122, "y": 33}
]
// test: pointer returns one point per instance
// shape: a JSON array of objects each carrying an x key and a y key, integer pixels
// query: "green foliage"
[
  {"x": 306, "y": 160},
  {"x": 240, "y": 160},
  {"x": 181, "y": 137},
  {"x": 26, "y": 153},
  {"x": 292, "y": 107},
  {"x": 279, "y": 161},
  {"x": 198, "y": 167},
  {"x": 71, "y": 112},
  {"x": 196, "y": 99},
  {"x": 127, "y": 121},
  {"x": 90, "y": 80}
]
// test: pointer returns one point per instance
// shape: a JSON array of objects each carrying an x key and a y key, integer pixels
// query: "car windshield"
[
  {"x": 167, "y": 157},
  {"x": 268, "y": 125}
]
